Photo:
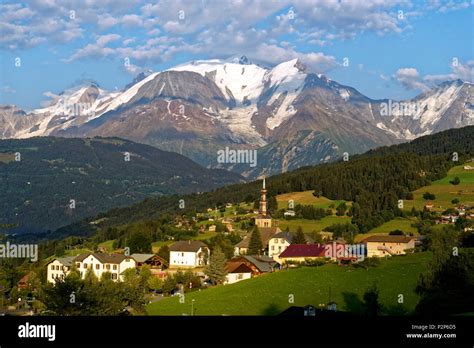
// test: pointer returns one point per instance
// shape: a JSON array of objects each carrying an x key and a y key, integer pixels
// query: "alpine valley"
[{"x": 291, "y": 116}]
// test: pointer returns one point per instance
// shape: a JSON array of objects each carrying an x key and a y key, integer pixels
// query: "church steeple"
[
  {"x": 263, "y": 219},
  {"x": 263, "y": 200}
]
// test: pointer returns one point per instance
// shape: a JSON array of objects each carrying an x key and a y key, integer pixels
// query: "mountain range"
[{"x": 290, "y": 116}]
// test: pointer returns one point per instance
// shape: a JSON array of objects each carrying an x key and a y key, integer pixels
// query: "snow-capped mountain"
[{"x": 290, "y": 115}]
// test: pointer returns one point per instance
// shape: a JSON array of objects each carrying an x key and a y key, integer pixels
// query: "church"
[{"x": 266, "y": 226}]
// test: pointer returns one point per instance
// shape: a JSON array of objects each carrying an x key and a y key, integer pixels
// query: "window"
[
  {"x": 52, "y": 267},
  {"x": 273, "y": 247},
  {"x": 115, "y": 267},
  {"x": 85, "y": 266},
  {"x": 107, "y": 266},
  {"x": 114, "y": 276},
  {"x": 78, "y": 265},
  {"x": 240, "y": 276},
  {"x": 97, "y": 266},
  {"x": 57, "y": 268}
]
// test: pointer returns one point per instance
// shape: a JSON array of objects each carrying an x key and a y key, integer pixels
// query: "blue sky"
[{"x": 394, "y": 48}]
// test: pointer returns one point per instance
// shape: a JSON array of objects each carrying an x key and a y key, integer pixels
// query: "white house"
[
  {"x": 237, "y": 271},
  {"x": 386, "y": 245},
  {"x": 99, "y": 263},
  {"x": 59, "y": 268},
  {"x": 278, "y": 243},
  {"x": 189, "y": 254}
]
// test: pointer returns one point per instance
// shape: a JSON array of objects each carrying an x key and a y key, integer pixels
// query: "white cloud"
[{"x": 411, "y": 79}]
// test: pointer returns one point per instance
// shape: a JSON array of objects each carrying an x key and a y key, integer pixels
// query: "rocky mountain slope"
[{"x": 291, "y": 116}]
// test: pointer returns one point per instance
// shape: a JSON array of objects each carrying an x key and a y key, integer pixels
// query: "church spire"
[{"x": 264, "y": 182}]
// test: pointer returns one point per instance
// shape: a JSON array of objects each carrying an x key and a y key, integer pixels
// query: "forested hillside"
[
  {"x": 46, "y": 183},
  {"x": 373, "y": 181}
]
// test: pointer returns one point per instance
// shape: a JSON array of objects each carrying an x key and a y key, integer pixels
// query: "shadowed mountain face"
[
  {"x": 49, "y": 182},
  {"x": 291, "y": 116}
]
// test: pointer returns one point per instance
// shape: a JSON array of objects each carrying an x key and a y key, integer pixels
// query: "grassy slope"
[
  {"x": 268, "y": 294},
  {"x": 402, "y": 224},
  {"x": 306, "y": 198},
  {"x": 445, "y": 192},
  {"x": 313, "y": 225}
]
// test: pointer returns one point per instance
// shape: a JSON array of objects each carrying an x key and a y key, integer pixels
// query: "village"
[{"x": 278, "y": 251}]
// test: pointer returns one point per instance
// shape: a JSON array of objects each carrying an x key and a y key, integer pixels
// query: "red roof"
[{"x": 303, "y": 250}]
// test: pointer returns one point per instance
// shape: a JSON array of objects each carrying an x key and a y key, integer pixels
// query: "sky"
[{"x": 384, "y": 48}]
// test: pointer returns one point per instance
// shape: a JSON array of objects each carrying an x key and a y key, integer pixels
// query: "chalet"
[
  {"x": 237, "y": 271},
  {"x": 24, "y": 282},
  {"x": 302, "y": 253},
  {"x": 429, "y": 205},
  {"x": 188, "y": 254},
  {"x": 155, "y": 262},
  {"x": 257, "y": 263},
  {"x": 447, "y": 219},
  {"x": 386, "y": 245},
  {"x": 98, "y": 263}
]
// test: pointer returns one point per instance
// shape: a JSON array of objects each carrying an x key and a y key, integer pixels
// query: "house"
[
  {"x": 98, "y": 263},
  {"x": 266, "y": 233},
  {"x": 257, "y": 263},
  {"x": 189, "y": 254},
  {"x": 212, "y": 228},
  {"x": 23, "y": 282},
  {"x": 386, "y": 245},
  {"x": 229, "y": 227},
  {"x": 155, "y": 262},
  {"x": 278, "y": 243},
  {"x": 429, "y": 205},
  {"x": 289, "y": 213},
  {"x": 302, "y": 253},
  {"x": 59, "y": 268},
  {"x": 237, "y": 271}
]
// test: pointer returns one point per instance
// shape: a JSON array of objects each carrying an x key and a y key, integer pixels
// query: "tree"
[
  {"x": 429, "y": 196},
  {"x": 139, "y": 242},
  {"x": 255, "y": 243},
  {"x": 455, "y": 201},
  {"x": 216, "y": 270},
  {"x": 455, "y": 181},
  {"x": 341, "y": 209},
  {"x": 164, "y": 252},
  {"x": 396, "y": 233},
  {"x": 299, "y": 237},
  {"x": 371, "y": 301}
]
